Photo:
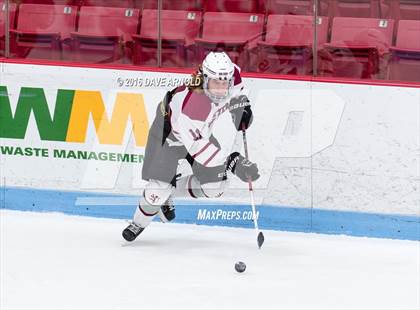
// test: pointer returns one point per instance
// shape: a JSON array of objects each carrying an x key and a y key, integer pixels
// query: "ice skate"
[
  {"x": 167, "y": 211},
  {"x": 131, "y": 232}
]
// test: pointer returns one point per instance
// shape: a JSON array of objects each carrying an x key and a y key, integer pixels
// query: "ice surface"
[{"x": 55, "y": 261}]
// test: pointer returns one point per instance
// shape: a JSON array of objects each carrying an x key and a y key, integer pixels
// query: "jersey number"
[{"x": 196, "y": 135}]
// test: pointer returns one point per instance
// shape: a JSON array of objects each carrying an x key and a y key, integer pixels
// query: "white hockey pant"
[{"x": 156, "y": 193}]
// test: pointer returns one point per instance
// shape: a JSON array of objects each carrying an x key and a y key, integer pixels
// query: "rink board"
[
  {"x": 270, "y": 217},
  {"x": 333, "y": 158}
]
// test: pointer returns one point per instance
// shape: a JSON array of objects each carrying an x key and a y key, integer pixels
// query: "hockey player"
[{"x": 182, "y": 129}]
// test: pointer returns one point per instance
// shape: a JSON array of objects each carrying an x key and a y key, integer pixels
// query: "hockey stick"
[{"x": 260, "y": 235}]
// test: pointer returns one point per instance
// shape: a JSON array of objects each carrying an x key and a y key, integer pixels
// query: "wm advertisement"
[{"x": 69, "y": 122}]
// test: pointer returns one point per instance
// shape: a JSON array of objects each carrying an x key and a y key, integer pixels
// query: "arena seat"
[
  {"x": 110, "y": 3},
  {"x": 106, "y": 3},
  {"x": 405, "y": 55},
  {"x": 183, "y": 5},
  {"x": 42, "y": 29},
  {"x": 235, "y": 33},
  {"x": 52, "y": 2},
  {"x": 287, "y": 48},
  {"x": 292, "y": 7},
  {"x": 358, "y": 47},
  {"x": 178, "y": 30},
  {"x": 239, "y": 6},
  {"x": 104, "y": 34},
  {"x": 400, "y": 9},
  {"x": 296, "y": 7},
  {"x": 355, "y": 8},
  {"x": 12, "y": 15}
]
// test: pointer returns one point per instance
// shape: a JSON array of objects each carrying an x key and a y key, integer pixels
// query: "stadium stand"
[
  {"x": 104, "y": 34},
  {"x": 354, "y": 8},
  {"x": 183, "y": 5},
  {"x": 235, "y": 33},
  {"x": 355, "y": 38},
  {"x": 52, "y": 2},
  {"x": 405, "y": 55},
  {"x": 287, "y": 48},
  {"x": 359, "y": 46},
  {"x": 42, "y": 30},
  {"x": 178, "y": 31},
  {"x": 238, "y": 6},
  {"x": 109, "y": 3},
  {"x": 400, "y": 9}
]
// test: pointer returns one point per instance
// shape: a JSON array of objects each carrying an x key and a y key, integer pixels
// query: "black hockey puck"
[{"x": 240, "y": 267}]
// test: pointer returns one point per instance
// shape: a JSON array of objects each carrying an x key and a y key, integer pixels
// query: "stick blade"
[{"x": 260, "y": 239}]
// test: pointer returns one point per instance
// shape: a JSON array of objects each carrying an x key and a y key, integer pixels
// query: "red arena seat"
[
  {"x": 405, "y": 55},
  {"x": 287, "y": 48},
  {"x": 235, "y": 33},
  {"x": 355, "y": 8},
  {"x": 42, "y": 29},
  {"x": 110, "y": 3},
  {"x": 104, "y": 34},
  {"x": 12, "y": 15},
  {"x": 240, "y": 6},
  {"x": 183, "y": 5},
  {"x": 52, "y": 2},
  {"x": 400, "y": 9},
  {"x": 358, "y": 46},
  {"x": 178, "y": 31},
  {"x": 296, "y": 7},
  {"x": 292, "y": 7}
]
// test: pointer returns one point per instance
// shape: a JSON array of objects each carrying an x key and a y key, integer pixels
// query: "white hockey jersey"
[{"x": 193, "y": 116}]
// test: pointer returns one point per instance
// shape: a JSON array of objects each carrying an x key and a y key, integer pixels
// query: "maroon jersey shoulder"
[
  {"x": 236, "y": 77},
  {"x": 196, "y": 106}
]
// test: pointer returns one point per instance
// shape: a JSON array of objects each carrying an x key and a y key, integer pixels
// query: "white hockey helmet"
[{"x": 218, "y": 66}]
